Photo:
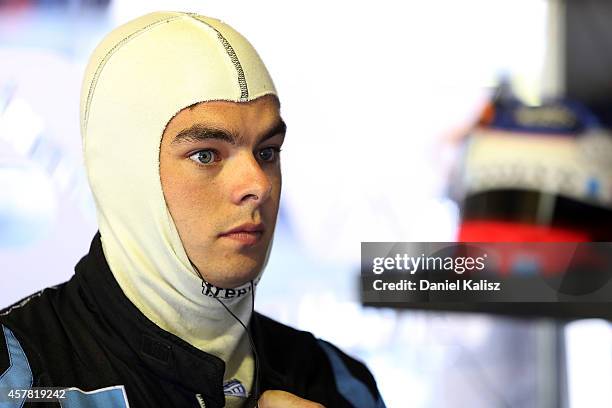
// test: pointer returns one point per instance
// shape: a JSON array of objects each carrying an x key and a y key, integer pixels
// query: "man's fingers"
[{"x": 282, "y": 399}]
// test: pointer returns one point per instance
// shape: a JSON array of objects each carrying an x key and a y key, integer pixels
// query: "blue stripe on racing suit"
[
  {"x": 353, "y": 390},
  {"x": 18, "y": 375}
]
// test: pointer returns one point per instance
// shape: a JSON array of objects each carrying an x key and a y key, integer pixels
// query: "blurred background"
[{"x": 436, "y": 120}]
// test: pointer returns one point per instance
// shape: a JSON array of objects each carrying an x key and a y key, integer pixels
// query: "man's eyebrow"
[
  {"x": 279, "y": 129},
  {"x": 200, "y": 132}
]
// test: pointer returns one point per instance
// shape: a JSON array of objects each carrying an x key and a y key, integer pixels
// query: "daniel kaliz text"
[{"x": 424, "y": 284}]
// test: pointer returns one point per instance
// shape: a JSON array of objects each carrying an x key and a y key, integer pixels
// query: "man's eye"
[
  {"x": 204, "y": 156},
  {"x": 269, "y": 154}
]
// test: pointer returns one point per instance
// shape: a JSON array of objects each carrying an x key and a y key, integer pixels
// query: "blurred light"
[
  {"x": 360, "y": 329},
  {"x": 20, "y": 126},
  {"x": 589, "y": 363},
  {"x": 28, "y": 203}
]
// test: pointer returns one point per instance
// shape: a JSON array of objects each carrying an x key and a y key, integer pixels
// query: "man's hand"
[{"x": 282, "y": 399}]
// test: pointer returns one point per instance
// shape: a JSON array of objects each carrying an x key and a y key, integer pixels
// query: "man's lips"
[{"x": 248, "y": 233}]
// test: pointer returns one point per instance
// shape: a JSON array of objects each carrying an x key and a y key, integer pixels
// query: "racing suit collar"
[{"x": 130, "y": 334}]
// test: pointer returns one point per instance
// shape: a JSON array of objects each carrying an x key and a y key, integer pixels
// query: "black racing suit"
[{"x": 86, "y": 336}]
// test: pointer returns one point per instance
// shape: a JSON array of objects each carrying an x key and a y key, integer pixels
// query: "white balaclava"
[{"x": 138, "y": 78}]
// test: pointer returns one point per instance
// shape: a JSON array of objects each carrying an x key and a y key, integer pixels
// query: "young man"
[{"x": 181, "y": 135}]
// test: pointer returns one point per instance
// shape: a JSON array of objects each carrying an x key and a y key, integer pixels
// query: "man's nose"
[{"x": 250, "y": 181}]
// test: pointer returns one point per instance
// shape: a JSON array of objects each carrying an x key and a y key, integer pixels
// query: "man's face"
[{"x": 221, "y": 178}]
